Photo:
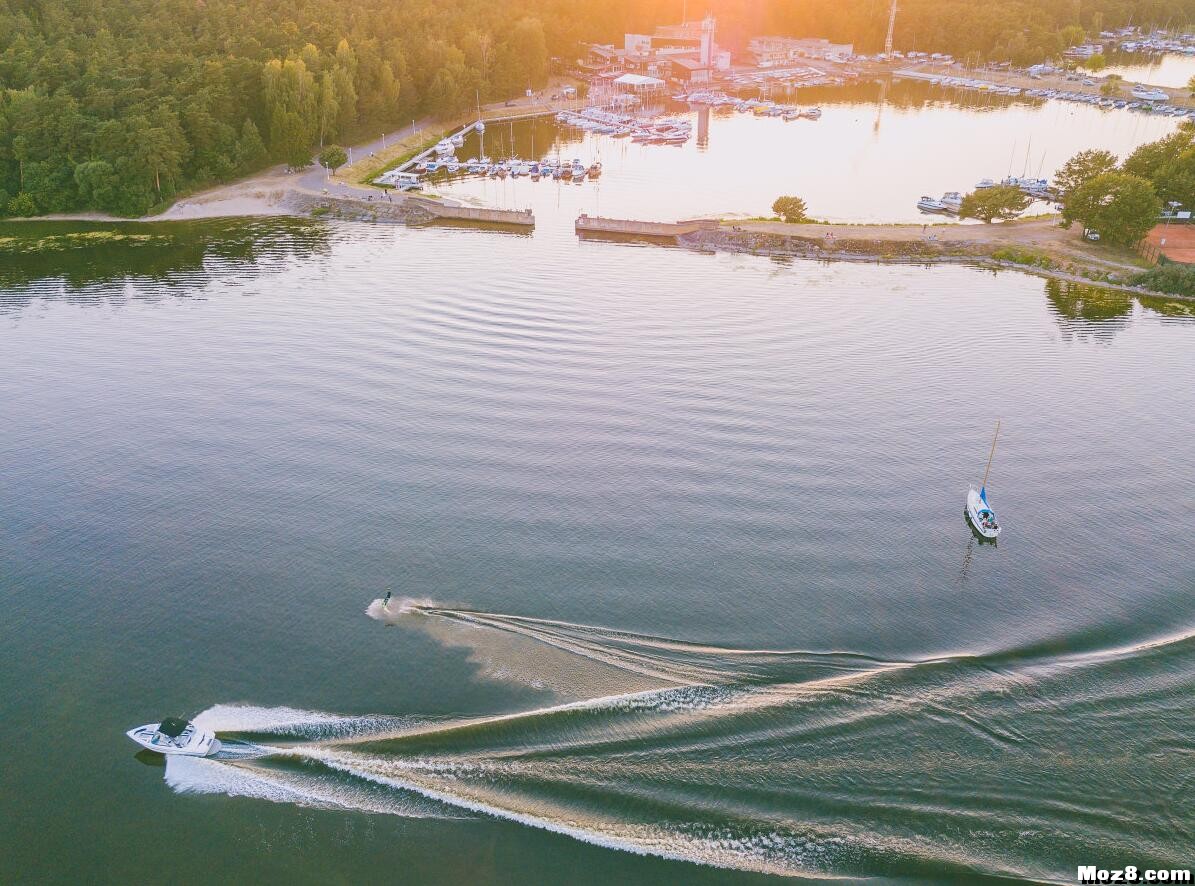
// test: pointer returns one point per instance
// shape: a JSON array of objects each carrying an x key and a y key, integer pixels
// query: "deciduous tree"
[
  {"x": 1003, "y": 202},
  {"x": 791, "y": 209},
  {"x": 1120, "y": 206}
]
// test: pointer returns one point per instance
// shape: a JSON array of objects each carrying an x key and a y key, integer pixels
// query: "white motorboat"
[
  {"x": 174, "y": 735},
  {"x": 1150, "y": 94},
  {"x": 953, "y": 201},
  {"x": 929, "y": 204},
  {"x": 445, "y": 147},
  {"x": 979, "y": 512}
]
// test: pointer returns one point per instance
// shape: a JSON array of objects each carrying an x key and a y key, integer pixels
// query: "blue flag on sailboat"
[{"x": 983, "y": 494}]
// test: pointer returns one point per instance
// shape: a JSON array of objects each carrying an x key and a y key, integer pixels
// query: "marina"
[
  {"x": 903, "y": 141},
  {"x": 1143, "y": 99}
]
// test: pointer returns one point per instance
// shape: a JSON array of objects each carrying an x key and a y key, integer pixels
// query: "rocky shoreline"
[{"x": 736, "y": 239}]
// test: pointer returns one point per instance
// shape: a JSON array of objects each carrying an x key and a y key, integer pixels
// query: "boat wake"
[{"x": 794, "y": 762}]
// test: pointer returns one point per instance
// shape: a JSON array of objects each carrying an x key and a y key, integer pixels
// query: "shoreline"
[{"x": 1034, "y": 246}]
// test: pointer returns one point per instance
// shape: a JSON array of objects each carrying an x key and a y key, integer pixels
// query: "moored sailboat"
[{"x": 979, "y": 512}]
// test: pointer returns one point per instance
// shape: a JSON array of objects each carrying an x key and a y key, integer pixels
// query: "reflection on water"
[
  {"x": 104, "y": 261},
  {"x": 1085, "y": 311},
  {"x": 1088, "y": 311},
  {"x": 1170, "y": 70}
]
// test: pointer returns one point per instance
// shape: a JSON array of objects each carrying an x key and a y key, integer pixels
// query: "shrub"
[
  {"x": 22, "y": 205},
  {"x": 1168, "y": 277}
]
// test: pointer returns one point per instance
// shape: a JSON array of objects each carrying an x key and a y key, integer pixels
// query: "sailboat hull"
[{"x": 981, "y": 517}]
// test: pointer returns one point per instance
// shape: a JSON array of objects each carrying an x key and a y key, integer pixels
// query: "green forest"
[{"x": 119, "y": 105}]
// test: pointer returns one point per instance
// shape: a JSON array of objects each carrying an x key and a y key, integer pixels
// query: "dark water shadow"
[{"x": 99, "y": 261}]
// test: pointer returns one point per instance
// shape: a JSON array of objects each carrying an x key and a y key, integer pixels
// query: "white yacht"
[
  {"x": 174, "y": 735},
  {"x": 1150, "y": 94},
  {"x": 445, "y": 147},
  {"x": 953, "y": 201},
  {"x": 929, "y": 204}
]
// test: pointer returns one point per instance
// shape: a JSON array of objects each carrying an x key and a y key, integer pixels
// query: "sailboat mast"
[{"x": 991, "y": 455}]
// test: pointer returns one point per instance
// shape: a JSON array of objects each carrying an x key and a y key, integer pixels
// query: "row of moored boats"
[
  {"x": 1146, "y": 99},
  {"x": 758, "y": 107},
  {"x": 513, "y": 167},
  {"x": 656, "y": 132},
  {"x": 951, "y": 202}
]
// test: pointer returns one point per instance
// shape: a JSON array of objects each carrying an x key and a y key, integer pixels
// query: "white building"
[{"x": 772, "y": 52}]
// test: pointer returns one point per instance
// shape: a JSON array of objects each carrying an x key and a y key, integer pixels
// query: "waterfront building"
[
  {"x": 686, "y": 52},
  {"x": 771, "y": 52}
]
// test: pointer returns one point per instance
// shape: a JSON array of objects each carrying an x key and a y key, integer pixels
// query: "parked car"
[{"x": 1091, "y": 234}]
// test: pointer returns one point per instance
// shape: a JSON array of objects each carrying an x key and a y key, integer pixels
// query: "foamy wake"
[
  {"x": 298, "y": 725},
  {"x": 201, "y": 775},
  {"x": 391, "y": 612}
]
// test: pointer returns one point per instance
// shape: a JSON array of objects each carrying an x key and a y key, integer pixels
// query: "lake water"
[
  {"x": 698, "y": 600},
  {"x": 859, "y": 162},
  {"x": 1169, "y": 70}
]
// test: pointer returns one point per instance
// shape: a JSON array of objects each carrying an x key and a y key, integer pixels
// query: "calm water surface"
[
  {"x": 1170, "y": 70},
  {"x": 697, "y": 599}
]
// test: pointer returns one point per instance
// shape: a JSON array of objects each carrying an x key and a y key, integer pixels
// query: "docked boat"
[
  {"x": 445, "y": 147},
  {"x": 177, "y": 736},
  {"x": 1150, "y": 94},
  {"x": 953, "y": 201},
  {"x": 985, "y": 184},
  {"x": 595, "y": 169},
  {"x": 929, "y": 204},
  {"x": 979, "y": 512}
]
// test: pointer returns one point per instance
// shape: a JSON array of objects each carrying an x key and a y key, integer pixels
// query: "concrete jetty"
[
  {"x": 591, "y": 226},
  {"x": 454, "y": 212}
]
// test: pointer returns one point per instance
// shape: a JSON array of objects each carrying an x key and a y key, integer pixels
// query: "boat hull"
[
  {"x": 200, "y": 744},
  {"x": 976, "y": 509}
]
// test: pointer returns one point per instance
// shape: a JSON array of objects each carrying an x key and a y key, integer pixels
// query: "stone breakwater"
[{"x": 406, "y": 209}]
